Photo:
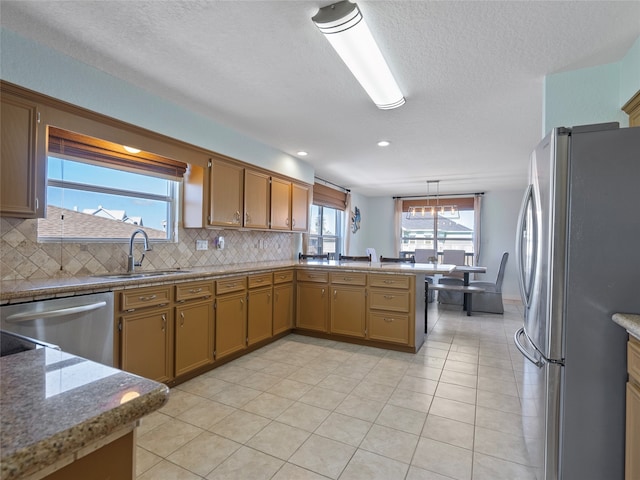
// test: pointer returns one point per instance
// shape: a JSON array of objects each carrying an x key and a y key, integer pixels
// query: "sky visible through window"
[{"x": 152, "y": 212}]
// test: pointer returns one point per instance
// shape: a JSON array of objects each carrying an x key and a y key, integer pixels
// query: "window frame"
[
  {"x": 339, "y": 229},
  {"x": 172, "y": 200}
]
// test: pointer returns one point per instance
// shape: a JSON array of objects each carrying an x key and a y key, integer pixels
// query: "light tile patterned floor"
[{"x": 304, "y": 408}]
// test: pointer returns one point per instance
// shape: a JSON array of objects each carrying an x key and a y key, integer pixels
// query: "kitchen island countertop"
[
  {"x": 54, "y": 405},
  {"x": 629, "y": 321}
]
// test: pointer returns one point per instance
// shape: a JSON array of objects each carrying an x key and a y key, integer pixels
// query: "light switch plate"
[{"x": 202, "y": 244}]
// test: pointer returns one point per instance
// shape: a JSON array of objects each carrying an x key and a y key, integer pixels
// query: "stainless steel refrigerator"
[{"x": 578, "y": 255}]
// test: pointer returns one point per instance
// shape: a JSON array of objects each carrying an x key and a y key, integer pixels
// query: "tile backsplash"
[{"x": 23, "y": 258}]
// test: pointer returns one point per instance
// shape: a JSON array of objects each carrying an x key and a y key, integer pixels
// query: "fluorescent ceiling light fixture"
[
  {"x": 349, "y": 35},
  {"x": 302, "y": 153},
  {"x": 384, "y": 143},
  {"x": 131, "y": 149}
]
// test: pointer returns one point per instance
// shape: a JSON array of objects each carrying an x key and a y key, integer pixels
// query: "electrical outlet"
[
  {"x": 202, "y": 244},
  {"x": 261, "y": 244}
]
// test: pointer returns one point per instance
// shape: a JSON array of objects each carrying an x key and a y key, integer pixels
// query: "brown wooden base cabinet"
[
  {"x": 231, "y": 316},
  {"x": 312, "y": 306},
  {"x": 146, "y": 326},
  {"x": 282, "y": 301},
  {"x": 349, "y": 304},
  {"x": 260, "y": 308},
  {"x": 632, "y": 440},
  {"x": 194, "y": 336}
]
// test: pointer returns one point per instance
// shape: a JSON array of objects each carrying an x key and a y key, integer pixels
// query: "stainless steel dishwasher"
[{"x": 81, "y": 325}]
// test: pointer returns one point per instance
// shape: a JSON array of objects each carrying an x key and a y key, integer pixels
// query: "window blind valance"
[
  {"x": 64, "y": 142},
  {"x": 329, "y": 197}
]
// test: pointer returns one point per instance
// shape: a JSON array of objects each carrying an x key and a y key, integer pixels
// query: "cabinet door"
[
  {"x": 348, "y": 310},
  {"x": 299, "y": 207},
  {"x": 282, "y": 308},
  {"x": 146, "y": 344},
  {"x": 312, "y": 306},
  {"x": 226, "y": 195},
  {"x": 231, "y": 324},
  {"x": 632, "y": 466},
  {"x": 280, "y": 204},
  {"x": 260, "y": 315},
  {"x": 256, "y": 199},
  {"x": 18, "y": 173},
  {"x": 194, "y": 336},
  {"x": 389, "y": 327}
]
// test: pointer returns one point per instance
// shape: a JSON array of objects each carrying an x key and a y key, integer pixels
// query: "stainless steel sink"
[{"x": 141, "y": 274}]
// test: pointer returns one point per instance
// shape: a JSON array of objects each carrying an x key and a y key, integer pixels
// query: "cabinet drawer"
[
  {"x": 349, "y": 278},
  {"x": 144, "y": 297},
  {"x": 633, "y": 359},
  {"x": 389, "y": 327},
  {"x": 389, "y": 281},
  {"x": 187, "y": 291},
  {"x": 312, "y": 276},
  {"x": 283, "y": 277},
  {"x": 260, "y": 280},
  {"x": 230, "y": 285},
  {"x": 393, "y": 301}
]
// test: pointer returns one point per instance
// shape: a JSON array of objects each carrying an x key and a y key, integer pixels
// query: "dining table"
[{"x": 466, "y": 270}]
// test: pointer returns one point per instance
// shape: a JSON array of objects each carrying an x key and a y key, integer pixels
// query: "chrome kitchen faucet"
[{"x": 131, "y": 263}]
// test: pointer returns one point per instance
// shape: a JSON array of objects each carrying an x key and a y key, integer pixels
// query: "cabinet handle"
[
  {"x": 286, "y": 222},
  {"x": 268, "y": 298},
  {"x": 322, "y": 292},
  {"x": 259, "y": 280},
  {"x": 182, "y": 319},
  {"x": 335, "y": 294},
  {"x": 293, "y": 222},
  {"x": 388, "y": 320},
  {"x": 195, "y": 290},
  {"x": 241, "y": 303},
  {"x": 388, "y": 282},
  {"x": 247, "y": 217},
  {"x": 236, "y": 217},
  {"x": 164, "y": 322},
  {"x": 146, "y": 299},
  {"x": 388, "y": 297}
]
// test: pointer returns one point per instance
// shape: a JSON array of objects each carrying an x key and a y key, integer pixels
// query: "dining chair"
[
  {"x": 410, "y": 259},
  {"x": 349, "y": 258},
  {"x": 313, "y": 256},
  {"x": 491, "y": 300},
  {"x": 427, "y": 255},
  {"x": 452, "y": 257}
]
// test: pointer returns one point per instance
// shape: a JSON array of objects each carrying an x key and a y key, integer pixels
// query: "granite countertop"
[
  {"x": 52, "y": 404},
  {"x": 629, "y": 321},
  {"x": 29, "y": 290}
]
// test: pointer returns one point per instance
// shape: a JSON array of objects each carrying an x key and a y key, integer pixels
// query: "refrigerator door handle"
[
  {"x": 525, "y": 275},
  {"x": 523, "y": 351}
]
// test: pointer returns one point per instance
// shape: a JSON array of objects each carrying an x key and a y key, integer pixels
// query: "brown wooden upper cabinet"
[
  {"x": 244, "y": 197},
  {"x": 280, "y": 204},
  {"x": 227, "y": 194},
  {"x": 299, "y": 207},
  {"x": 22, "y": 168},
  {"x": 257, "y": 193}
]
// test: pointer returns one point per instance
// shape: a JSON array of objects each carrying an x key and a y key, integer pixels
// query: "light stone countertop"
[
  {"x": 53, "y": 404},
  {"x": 629, "y": 321},
  {"x": 29, "y": 290}
]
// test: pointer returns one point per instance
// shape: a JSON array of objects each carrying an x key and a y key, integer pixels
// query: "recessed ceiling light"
[
  {"x": 302, "y": 153},
  {"x": 384, "y": 143}
]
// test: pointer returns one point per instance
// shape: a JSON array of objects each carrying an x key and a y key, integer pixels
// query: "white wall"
[
  {"x": 499, "y": 220},
  {"x": 359, "y": 240}
]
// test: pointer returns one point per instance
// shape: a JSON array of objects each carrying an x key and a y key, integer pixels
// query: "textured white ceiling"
[{"x": 471, "y": 71}]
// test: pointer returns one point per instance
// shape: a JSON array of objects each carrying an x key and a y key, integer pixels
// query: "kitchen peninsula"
[
  {"x": 202, "y": 317},
  {"x": 62, "y": 416}
]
